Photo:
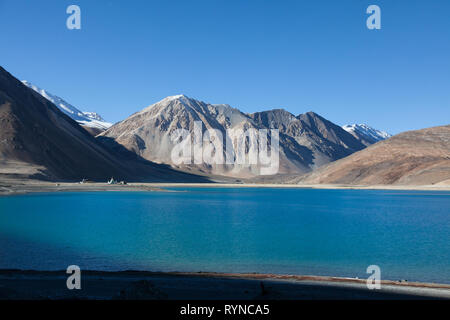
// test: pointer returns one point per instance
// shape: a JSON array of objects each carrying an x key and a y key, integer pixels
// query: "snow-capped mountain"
[
  {"x": 366, "y": 134},
  {"x": 87, "y": 119}
]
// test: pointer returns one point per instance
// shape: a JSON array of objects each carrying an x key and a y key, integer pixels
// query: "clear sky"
[{"x": 254, "y": 55}]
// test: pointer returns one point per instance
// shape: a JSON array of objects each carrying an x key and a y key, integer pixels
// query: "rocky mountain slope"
[
  {"x": 37, "y": 140},
  {"x": 324, "y": 140},
  {"x": 306, "y": 141},
  {"x": 419, "y": 157}
]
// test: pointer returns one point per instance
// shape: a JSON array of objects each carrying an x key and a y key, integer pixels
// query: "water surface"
[{"x": 285, "y": 231}]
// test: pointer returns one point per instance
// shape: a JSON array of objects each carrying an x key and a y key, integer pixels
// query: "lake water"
[{"x": 284, "y": 231}]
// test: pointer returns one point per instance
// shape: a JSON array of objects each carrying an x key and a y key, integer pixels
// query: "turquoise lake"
[{"x": 284, "y": 231}]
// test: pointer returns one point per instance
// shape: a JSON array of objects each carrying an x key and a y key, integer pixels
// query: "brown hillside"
[{"x": 419, "y": 157}]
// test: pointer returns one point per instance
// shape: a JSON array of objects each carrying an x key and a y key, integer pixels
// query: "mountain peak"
[
  {"x": 273, "y": 118},
  {"x": 181, "y": 98},
  {"x": 365, "y": 133},
  {"x": 176, "y": 97},
  {"x": 311, "y": 114},
  {"x": 278, "y": 111}
]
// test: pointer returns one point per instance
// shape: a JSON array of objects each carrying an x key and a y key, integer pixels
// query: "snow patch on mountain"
[
  {"x": 366, "y": 133},
  {"x": 88, "y": 119}
]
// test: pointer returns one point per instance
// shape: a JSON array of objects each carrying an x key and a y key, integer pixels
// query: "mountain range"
[
  {"x": 95, "y": 124},
  {"x": 44, "y": 137},
  {"x": 306, "y": 141}
]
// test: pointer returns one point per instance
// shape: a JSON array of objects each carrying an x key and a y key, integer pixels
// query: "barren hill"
[{"x": 419, "y": 157}]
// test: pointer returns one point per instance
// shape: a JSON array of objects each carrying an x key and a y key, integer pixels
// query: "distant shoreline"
[
  {"x": 20, "y": 284},
  {"x": 253, "y": 275},
  {"x": 13, "y": 187}
]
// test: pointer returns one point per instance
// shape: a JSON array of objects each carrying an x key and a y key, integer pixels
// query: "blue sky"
[{"x": 253, "y": 55}]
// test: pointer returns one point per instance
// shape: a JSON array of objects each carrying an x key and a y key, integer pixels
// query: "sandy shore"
[
  {"x": 205, "y": 286},
  {"x": 300, "y": 186},
  {"x": 24, "y": 187},
  {"x": 11, "y": 187}
]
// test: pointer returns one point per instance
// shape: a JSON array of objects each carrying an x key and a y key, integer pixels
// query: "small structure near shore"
[{"x": 112, "y": 181}]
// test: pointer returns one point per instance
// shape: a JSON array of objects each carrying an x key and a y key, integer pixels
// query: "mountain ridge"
[
  {"x": 84, "y": 118},
  {"x": 39, "y": 141},
  {"x": 147, "y": 133}
]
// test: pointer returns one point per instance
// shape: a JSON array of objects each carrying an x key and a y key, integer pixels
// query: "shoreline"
[
  {"x": 11, "y": 187},
  {"x": 30, "y": 284},
  {"x": 227, "y": 275}
]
